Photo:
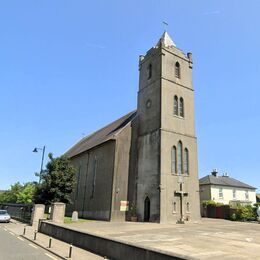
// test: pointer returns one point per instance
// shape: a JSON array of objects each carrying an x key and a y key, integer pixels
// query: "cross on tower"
[
  {"x": 181, "y": 194},
  {"x": 165, "y": 25}
]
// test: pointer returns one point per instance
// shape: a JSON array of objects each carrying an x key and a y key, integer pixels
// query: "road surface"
[{"x": 17, "y": 248}]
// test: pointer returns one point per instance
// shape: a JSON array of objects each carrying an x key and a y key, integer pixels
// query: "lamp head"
[{"x": 35, "y": 150}]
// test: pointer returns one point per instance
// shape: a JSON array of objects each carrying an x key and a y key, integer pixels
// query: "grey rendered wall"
[
  {"x": 121, "y": 171},
  {"x": 93, "y": 195},
  {"x": 175, "y": 129},
  {"x": 169, "y": 180},
  {"x": 148, "y": 140}
]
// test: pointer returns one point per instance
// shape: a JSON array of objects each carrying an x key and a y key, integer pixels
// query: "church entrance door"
[{"x": 146, "y": 209}]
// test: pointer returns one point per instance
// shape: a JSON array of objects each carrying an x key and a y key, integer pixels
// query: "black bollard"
[
  {"x": 35, "y": 233},
  {"x": 70, "y": 251},
  {"x": 24, "y": 230},
  {"x": 50, "y": 242}
]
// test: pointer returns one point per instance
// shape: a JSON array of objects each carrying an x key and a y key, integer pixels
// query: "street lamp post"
[{"x": 35, "y": 150}]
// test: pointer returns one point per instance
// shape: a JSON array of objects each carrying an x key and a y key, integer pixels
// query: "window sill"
[
  {"x": 184, "y": 175},
  {"x": 179, "y": 117}
]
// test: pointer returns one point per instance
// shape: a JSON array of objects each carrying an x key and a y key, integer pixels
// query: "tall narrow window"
[
  {"x": 179, "y": 160},
  {"x": 181, "y": 107},
  {"x": 186, "y": 161},
  {"x": 175, "y": 106},
  {"x": 234, "y": 194},
  {"x": 177, "y": 70},
  {"x": 149, "y": 71},
  {"x": 246, "y": 195},
  {"x": 78, "y": 182},
  {"x": 188, "y": 207},
  {"x": 174, "y": 159},
  {"x": 174, "y": 207},
  {"x": 94, "y": 178}
]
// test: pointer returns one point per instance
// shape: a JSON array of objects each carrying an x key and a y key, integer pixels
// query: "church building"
[{"x": 146, "y": 161}]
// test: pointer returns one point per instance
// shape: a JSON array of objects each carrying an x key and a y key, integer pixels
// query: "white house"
[{"x": 226, "y": 190}]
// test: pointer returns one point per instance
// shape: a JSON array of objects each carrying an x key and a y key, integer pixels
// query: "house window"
[
  {"x": 177, "y": 70},
  {"x": 246, "y": 195},
  {"x": 179, "y": 163},
  {"x": 174, "y": 159},
  {"x": 181, "y": 107},
  {"x": 234, "y": 194},
  {"x": 149, "y": 69},
  {"x": 220, "y": 193},
  {"x": 175, "y": 106}
]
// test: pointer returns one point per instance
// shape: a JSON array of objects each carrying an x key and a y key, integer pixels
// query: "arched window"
[
  {"x": 181, "y": 107},
  {"x": 186, "y": 161},
  {"x": 177, "y": 70},
  {"x": 179, "y": 160},
  {"x": 149, "y": 71},
  {"x": 175, "y": 106},
  {"x": 174, "y": 159}
]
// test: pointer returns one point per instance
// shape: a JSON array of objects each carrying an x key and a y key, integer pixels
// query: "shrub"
[
  {"x": 208, "y": 202},
  {"x": 248, "y": 213}
]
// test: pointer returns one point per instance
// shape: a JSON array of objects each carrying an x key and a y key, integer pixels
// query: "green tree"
[
  {"x": 18, "y": 193},
  {"x": 57, "y": 181},
  {"x": 27, "y": 193},
  {"x": 10, "y": 196}
]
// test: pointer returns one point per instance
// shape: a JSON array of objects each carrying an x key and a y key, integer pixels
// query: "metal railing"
[{"x": 21, "y": 212}]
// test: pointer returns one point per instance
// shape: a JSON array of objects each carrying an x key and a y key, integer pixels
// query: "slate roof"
[
  {"x": 102, "y": 135},
  {"x": 223, "y": 181}
]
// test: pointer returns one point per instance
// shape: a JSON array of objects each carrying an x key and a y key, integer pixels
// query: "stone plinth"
[
  {"x": 37, "y": 214},
  {"x": 58, "y": 212}
]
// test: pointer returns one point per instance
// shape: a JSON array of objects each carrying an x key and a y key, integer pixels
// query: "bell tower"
[{"x": 167, "y": 187}]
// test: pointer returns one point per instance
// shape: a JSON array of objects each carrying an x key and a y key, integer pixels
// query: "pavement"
[
  {"x": 58, "y": 250},
  {"x": 206, "y": 239}
]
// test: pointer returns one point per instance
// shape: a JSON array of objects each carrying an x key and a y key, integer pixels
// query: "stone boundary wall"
[{"x": 111, "y": 248}]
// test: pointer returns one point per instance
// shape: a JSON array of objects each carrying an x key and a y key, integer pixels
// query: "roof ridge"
[
  {"x": 224, "y": 181},
  {"x": 100, "y": 136}
]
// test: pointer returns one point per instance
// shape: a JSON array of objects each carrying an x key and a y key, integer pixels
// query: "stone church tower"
[
  {"x": 167, "y": 187},
  {"x": 147, "y": 158}
]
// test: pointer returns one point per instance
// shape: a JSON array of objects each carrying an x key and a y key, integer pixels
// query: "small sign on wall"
[{"x": 124, "y": 205}]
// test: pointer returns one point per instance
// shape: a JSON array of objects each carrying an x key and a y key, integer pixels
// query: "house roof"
[
  {"x": 102, "y": 135},
  {"x": 223, "y": 181}
]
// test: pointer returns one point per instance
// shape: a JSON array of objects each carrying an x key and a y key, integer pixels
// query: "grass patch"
[{"x": 67, "y": 220}]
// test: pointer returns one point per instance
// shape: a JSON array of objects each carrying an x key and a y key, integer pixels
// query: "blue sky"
[{"x": 69, "y": 67}]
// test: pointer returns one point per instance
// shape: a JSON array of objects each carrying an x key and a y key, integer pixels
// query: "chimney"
[
  {"x": 225, "y": 175},
  {"x": 214, "y": 172}
]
